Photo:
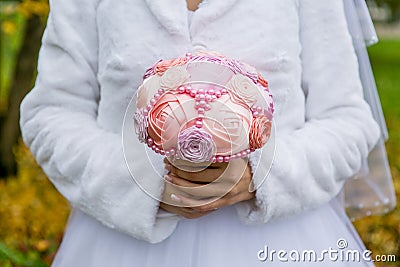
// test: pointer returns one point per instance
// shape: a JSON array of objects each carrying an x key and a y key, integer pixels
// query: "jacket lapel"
[
  {"x": 210, "y": 10},
  {"x": 172, "y": 14}
]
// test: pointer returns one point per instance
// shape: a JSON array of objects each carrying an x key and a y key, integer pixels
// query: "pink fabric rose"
[
  {"x": 140, "y": 123},
  {"x": 260, "y": 132},
  {"x": 195, "y": 145},
  {"x": 167, "y": 116}
]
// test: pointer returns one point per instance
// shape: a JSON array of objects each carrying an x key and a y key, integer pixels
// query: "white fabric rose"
[
  {"x": 245, "y": 88},
  {"x": 174, "y": 77},
  {"x": 147, "y": 91}
]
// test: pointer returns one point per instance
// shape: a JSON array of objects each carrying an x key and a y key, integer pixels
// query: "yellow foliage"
[
  {"x": 30, "y": 8},
  {"x": 33, "y": 214},
  {"x": 381, "y": 234},
  {"x": 8, "y": 27}
]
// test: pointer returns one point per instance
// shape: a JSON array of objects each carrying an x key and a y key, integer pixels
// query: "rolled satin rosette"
[{"x": 203, "y": 108}]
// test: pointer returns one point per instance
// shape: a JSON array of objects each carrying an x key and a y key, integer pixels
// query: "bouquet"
[{"x": 203, "y": 108}]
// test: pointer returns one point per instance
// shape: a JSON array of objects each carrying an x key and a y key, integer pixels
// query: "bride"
[{"x": 93, "y": 56}]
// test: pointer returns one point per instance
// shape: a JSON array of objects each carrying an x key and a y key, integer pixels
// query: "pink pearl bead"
[
  {"x": 157, "y": 96},
  {"x": 167, "y": 153},
  {"x": 233, "y": 157},
  {"x": 218, "y": 94},
  {"x": 161, "y": 91},
  {"x": 201, "y": 111},
  {"x": 153, "y": 101},
  {"x": 197, "y": 97},
  {"x": 199, "y": 124},
  {"x": 202, "y": 103},
  {"x": 208, "y": 107},
  {"x": 153, "y": 147},
  {"x": 255, "y": 114},
  {"x": 172, "y": 151},
  {"x": 150, "y": 141},
  {"x": 208, "y": 98},
  {"x": 211, "y": 91},
  {"x": 227, "y": 159},
  {"x": 197, "y": 104},
  {"x": 224, "y": 91},
  {"x": 244, "y": 154},
  {"x": 220, "y": 159},
  {"x": 181, "y": 90},
  {"x": 248, "y": 151},
  {"x": 157, "y": 150},
  {"x": 252, "y": 149},
  {"x": 188, "y": 90},
  {"x": 213, "y": 98},
  {"x": 145, "y": 112},
  {"x": 202, "y": 97},
  {"x": 200, "y": 116},
  {"x": 214, "y": 160},
  {"x": 201, "y": 91}
]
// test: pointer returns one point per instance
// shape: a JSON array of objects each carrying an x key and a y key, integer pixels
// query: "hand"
[
  {"x": 230, "y": 184},
  {"x": 171, "y": 204}
]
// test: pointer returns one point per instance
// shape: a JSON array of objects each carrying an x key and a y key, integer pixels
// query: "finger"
[
  {"x": 225, "y": 201},
  {"x": 204, "y": 176},
  {"x": 212, "y": 190},
  {"x": 185, "y": 212},
  {"x": 192, "y": 203}
]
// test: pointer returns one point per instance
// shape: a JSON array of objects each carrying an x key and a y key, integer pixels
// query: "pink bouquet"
[{"x": 203, "y": 108}]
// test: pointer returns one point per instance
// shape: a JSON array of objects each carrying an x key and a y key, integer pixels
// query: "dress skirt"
[{"x": 320, "y": 237}]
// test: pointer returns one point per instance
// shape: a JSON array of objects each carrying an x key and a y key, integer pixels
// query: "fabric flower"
[
  {"x": 242, "y": 68},
  {"x": 229, "y": 123},
  {"x": 140, "y": 123},
  {"x": 174, "y": 77},
  {"x": 244, "y": 88},
  {"x": 195, "y": 145},
  {"x": 260, "y": 132},
  {"x": 167, "y": 116},
  {"x": 150, "y": 71},
  {"x": 147, "y": 91},
  {"x": 208, "y": 53},
  {"x": 162, "y": 66},
  {"x": 262, "y": 81}
]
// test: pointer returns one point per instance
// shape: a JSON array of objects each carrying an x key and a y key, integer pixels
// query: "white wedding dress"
[{"x": 215, "y": 240}]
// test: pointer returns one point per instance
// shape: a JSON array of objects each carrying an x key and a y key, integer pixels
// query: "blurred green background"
[{"x": 32, "y": 212}]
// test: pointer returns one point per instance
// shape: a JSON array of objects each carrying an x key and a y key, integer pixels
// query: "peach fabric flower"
[
  {"x": 262, "y": 81},
  {"x": 168, "y": 115},
  {"x": 260, "y": 132},
  {"x": 164, "y": 65}
]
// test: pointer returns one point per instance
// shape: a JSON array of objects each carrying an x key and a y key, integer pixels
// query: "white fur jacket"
[{"x": 95, "y": 52}]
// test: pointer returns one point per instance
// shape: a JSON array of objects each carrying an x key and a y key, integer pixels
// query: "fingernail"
[
  {"x": 176, "y": 198},
  {"x": 168, "y": 167},
  {"x": 168, "y": 178},
  {"x": 214, "y": 209}
]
